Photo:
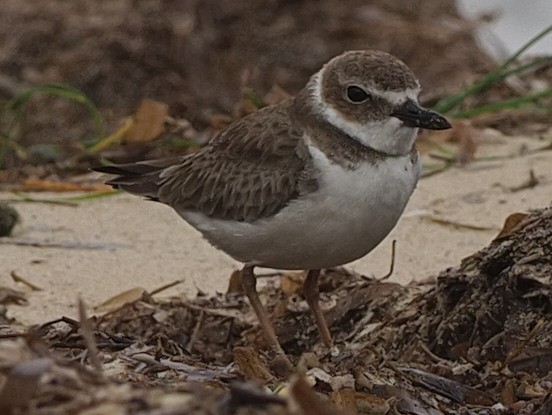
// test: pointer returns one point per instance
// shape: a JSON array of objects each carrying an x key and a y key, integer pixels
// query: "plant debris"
[{"x": 475, "y": 341}]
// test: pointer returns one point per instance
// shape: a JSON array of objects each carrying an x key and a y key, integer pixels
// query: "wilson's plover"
[{"x": 314, "y": 182}]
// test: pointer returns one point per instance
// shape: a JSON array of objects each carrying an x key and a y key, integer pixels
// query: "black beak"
[{"x": 412, "y": 115}]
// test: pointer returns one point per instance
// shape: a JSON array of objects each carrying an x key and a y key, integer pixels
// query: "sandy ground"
[{"x": 155, "y": 247}]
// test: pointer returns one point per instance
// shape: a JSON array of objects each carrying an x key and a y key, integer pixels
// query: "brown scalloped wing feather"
[{"x": 250, "y": 171}]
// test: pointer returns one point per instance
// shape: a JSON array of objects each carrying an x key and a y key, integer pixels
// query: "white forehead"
[{"x": 393, "y": 97}]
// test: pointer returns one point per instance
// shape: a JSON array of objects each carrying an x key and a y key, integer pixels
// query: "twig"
[
  {"x": 19, "y": 278},
  {"x": 529, "y": 184},
  {"x": 195, "y": 333},
  {"x": 59, "y": 244},
  {"x": 87, "y": 333},
  {"x": 430, "y": 354},
  {"x": 392, "y": 266},
  {"x": 448, "y": 222},
  {"x": 391, "y": 365},
  {"x": 519, "y": 348},
  {"x": 67, "y": 320},
  {"x": 165, "y": 287}
]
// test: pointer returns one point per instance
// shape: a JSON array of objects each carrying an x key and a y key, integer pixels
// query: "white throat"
[{"x": 389, "y": 136}]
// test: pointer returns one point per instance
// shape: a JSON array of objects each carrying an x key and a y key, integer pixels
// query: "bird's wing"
[{"x": 250, "y": 171}]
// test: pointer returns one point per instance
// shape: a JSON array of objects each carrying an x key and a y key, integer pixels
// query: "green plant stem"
[
  {"x": 492, "y": 77},
  {"x": 501, "y": 105}
]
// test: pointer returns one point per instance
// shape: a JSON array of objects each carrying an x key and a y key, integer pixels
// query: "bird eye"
[{"x": 356, "y": 94}]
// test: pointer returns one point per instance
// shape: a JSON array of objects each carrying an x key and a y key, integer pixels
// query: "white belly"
[{"x": 351, "y": 212}]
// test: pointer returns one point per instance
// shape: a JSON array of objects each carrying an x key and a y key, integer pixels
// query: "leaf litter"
[{"x": 475, "y": 340}]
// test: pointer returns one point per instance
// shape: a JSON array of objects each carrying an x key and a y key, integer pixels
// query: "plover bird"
[{"x": 314, "y": 182}]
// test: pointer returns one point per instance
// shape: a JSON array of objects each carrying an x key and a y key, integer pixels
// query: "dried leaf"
[
  {"x": 39, "y": 185},
  {"x": 371, "y": 404},
  {"x": 508, "y": 393},
  {"x": 247, "y": 359},
  {"x": 307, "y": 400},
  {"x": 344, "y": 399},
  {"x": 235, "y": 283},
  {"x": 120, "y": 300},
  {"x": 291, "y": 283},
  {"x": 11, "y": 296},
  {"x": 359, "y": 402},
  {"x": 149, "y": 122},
  {"x": 511, "y": 224},
  {"x": 538, "y": 361}
]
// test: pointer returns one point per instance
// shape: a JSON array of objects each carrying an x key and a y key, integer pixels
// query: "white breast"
[{"x": 350, "y": 213}]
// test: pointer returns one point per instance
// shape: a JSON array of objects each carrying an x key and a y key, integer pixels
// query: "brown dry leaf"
[
  {"x": 529, "y": 391},
  {"x": 250, "y": 365},
  {"x": 508, "y": 393},
  {"x": 537, "y": 361},
  {"x": 360, "y": 402},
  {"x": 309, "y": 402},
  {"x": 235, "y": 283},
  {"x": 120, "y": 300},
  {"x": 38, "y": 185},
  {"x": 511, "y": 224},
  {"x": 292, "y": 283},
  {"x": 10, "y": 296},
  {"x": 149, "y": 122},
  {"x": 344, "y": 399},
  {"x": 371, "y": 404}
]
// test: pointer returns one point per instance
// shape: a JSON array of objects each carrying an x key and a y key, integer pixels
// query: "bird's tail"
[{"x": 141, "y": 178}]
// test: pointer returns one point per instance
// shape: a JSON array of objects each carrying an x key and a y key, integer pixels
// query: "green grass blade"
[
  {"x": 16, "y": 104},
  {"x": 505, "y": 104},
  {"x": 449, "y": 103}
]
